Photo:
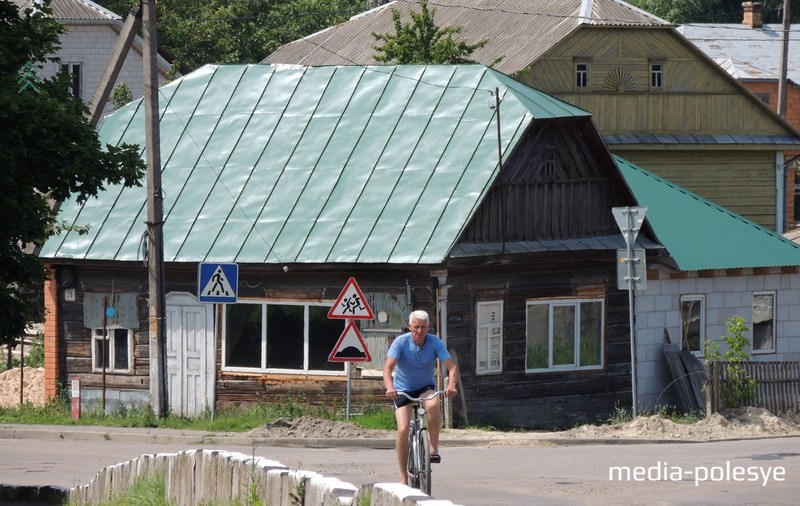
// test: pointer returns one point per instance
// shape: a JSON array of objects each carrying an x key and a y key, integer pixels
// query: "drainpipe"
[{"x": 780, "y": 190}]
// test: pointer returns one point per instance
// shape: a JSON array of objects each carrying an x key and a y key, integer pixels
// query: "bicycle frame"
[{"x": 419, "y": 456}]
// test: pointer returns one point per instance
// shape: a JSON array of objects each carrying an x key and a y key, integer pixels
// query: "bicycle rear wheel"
[{"x": 424, "y": 462}]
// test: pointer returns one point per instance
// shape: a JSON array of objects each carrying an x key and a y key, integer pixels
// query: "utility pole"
[
  {"x": 155, "y": 213},
  {"x": 787, "y": 24}
]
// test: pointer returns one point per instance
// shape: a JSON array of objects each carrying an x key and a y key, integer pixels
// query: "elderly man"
[{"x": 412, "y": 357}]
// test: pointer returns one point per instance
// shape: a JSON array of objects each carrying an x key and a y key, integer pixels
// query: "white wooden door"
[{"x": 190, "y": 355}]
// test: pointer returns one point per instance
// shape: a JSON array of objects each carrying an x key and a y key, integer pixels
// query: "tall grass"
[{"x": 57, "y": 412}]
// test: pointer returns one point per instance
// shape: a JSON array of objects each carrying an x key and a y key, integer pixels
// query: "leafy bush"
[{"x": 738, "y": 389}]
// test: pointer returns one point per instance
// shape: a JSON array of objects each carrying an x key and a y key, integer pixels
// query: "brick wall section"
[
  {"x": 51, "y": 358},
  {"x": 792, "y": 116}
]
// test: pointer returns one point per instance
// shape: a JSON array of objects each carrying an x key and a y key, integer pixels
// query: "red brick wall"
[
  {"x": 51, "y": 358},
  {"x": 793, "y": 116}
]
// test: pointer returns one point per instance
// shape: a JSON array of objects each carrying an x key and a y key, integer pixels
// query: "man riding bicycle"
[{"x": 412, "y": 357}]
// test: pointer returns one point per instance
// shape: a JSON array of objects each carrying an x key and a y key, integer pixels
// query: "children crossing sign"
[
  {"x": 217, "y": 283},
  {"x": 351, "y": 304}
]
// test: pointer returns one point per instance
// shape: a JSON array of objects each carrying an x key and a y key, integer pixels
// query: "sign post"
[
  {"x": 630, "y": 221},
  {"x": 350, "y": 305}
]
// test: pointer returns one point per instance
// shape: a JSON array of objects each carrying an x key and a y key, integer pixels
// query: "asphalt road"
[{"x": 733, "y": 472}]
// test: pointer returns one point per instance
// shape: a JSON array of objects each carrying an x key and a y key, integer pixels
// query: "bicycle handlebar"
[{"x": 418, "y": 399}]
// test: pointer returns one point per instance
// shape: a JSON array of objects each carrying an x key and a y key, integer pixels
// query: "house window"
[
  {"x": 656, "y": 75},
  {"x": 549, "y": 169},
  {"x": 73, "y": 69},
  {"x": 280, "y": 337},
  {"x": 564, "y": 335},
  {"x": 764, "y": 97},
  {"x": 489, "y": 346},
  {"x": 693, "y": 333},
  {"x": 581, "y": 75},
  {"x": 112, "y": 350},
  {"x": 764, "y": 322}
]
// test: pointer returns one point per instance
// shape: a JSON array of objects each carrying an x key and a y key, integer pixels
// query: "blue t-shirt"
[{"x": 416, "y": 366}]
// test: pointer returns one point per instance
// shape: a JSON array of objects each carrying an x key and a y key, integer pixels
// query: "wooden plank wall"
[
  {"x": 697, "y": 95},
  {"x": 742, "y": 181},
  {"x": 538, "y": 400}
]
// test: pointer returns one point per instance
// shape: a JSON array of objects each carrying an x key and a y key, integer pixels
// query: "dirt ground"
[{"x": 744, "y": 423}]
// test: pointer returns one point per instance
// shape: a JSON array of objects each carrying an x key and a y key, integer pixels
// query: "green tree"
[
  {"x": 197, "y": 32},
  {"x": 738, "y": 389},
  {"x": 121, "y": 95},
  {"x": 47, "y": 152},
  {"x": 422, "y": 42}
]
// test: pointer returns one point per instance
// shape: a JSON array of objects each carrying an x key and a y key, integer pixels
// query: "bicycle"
[{"x": 419, "y": 450}]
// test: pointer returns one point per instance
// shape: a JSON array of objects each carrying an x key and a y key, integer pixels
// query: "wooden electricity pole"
[
  {"x": 155, "y": 213},
  {"x": 787, "y": 25}
]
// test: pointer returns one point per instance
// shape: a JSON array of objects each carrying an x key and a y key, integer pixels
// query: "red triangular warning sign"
[
  {"x": 351, "y": 304},
  {"x": 350, "y": 347}
]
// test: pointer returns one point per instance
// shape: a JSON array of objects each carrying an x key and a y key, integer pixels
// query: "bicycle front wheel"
[
  {"x": 413, "y": 459},
  {"x": 425, "y": 462}
]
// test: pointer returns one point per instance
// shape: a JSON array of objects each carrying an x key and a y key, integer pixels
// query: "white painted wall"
[
  {"x": 91, "y": 45},
  {"x": 658, "y": 308}
]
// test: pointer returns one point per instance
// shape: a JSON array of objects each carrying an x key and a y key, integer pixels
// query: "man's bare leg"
[
  {"x": 403, "y": 417},
  {"x": 434, "y": 420}
]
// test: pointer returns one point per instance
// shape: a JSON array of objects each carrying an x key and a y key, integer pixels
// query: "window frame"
[
  {"x": 97, "y": 335},
  {"x": 657, "y": 75},
  {"x": 264, "y": 342},
  {"x": 488, "y": 326},
  {"x": 582, "y": 75},
  {"x": 701, "y": 327},
  {"x": 771, "y": 350},
  {"x": 576, "y": 304},
  {"x": 76, "y": 86}
]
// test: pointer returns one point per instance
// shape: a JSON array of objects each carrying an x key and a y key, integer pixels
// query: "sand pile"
[{"x": 32, "y": 388}]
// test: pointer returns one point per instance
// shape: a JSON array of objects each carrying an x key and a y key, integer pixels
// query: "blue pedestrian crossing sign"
[{"x": 217, "y": 282}]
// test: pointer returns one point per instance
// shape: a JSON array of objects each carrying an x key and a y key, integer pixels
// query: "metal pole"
[
  {"x": 105, "y": 344},
  {"x": 155, "y": 212},
  {"x": 630, "y": 261},
  {"x": 21, "y": 370},
  {"x": 348, "y": 370}
]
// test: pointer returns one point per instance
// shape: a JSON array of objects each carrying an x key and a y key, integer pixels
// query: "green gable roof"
[
  {"x": 701, "y": 235},
  {"x": 286, "y": 164}
]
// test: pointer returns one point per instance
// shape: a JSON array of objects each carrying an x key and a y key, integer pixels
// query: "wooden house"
[
  {"x": 453, "y": 189},
  {"x": 751, "y": 52},
  {"x": 657, "y": 99}
]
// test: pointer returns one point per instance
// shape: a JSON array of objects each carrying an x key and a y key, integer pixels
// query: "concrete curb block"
[{"x": 210, "y": 476}]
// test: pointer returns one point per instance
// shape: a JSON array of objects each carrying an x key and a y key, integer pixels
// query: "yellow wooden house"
[{"x": 658, "y": 100}]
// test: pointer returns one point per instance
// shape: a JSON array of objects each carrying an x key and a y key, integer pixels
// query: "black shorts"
[{"x": 402, "y": 401}]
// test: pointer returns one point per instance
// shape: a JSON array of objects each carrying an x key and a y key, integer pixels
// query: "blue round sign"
[{"x": 110, "y": 312}]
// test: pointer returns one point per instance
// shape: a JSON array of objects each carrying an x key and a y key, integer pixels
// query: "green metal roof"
[
  {"x": 287, "y": 164},
  {"x": 701, "y": 235}
]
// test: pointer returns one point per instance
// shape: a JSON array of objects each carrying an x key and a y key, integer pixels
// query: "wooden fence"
[{"x": 777, "y": 385}]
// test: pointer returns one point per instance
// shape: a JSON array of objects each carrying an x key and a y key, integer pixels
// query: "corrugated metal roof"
[
  {"x": 778, "y": 141},
  {"x": 285, "y": 164},
  {"x": 758, "y": 48},
  {"x": 75, "y": 10},
  {"x": 700, "y": 235},
  {"x": 518, "y": 30}
]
